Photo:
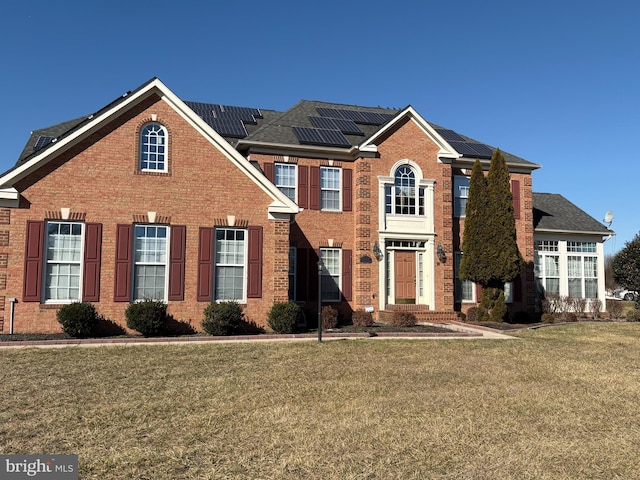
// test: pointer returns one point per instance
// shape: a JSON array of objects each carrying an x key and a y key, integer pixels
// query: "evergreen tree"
[
  {"x": 626, "y": 266},
  {"x": 490, "y": 251}
]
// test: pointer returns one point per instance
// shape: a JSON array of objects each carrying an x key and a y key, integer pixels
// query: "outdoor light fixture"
[
  {"x": 377, "y": 252},
  {"x": 442, "y": 256}
]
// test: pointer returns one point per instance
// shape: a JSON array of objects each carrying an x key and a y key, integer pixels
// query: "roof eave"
[
  {"x": 574, "y": 232},
  {"x": 275, "y": 148}
]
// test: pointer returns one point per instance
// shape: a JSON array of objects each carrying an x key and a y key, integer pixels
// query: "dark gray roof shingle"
[{"x": 551, "y": 211}]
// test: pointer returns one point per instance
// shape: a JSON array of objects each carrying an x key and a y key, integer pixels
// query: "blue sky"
[{"x": 555, "y": 82}]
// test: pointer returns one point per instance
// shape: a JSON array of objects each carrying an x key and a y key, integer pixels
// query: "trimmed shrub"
[
  {"x": 329, "y": 317},
  {"x": 222, "y": 318},
  {"x": 548, "y": 318},
  {"x": 472, "y": 315},
  {"x": 360, "y": 318},
  {"x": 403, "y": 319},
  {"x": 633, "y": 316},
  {"x": 284, "y": 317},
  {"x": 595, "y": 305},
  {"x": 148, "y": 317},
  {"x": 615, "y": 307},
  {"x": 78, "y": 319},
  {"x": 462, "y": 316}
]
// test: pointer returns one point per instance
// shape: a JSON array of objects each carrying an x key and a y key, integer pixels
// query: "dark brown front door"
[{"x": 405, "y": 277}]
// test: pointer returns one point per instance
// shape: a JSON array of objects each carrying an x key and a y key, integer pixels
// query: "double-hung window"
[
  {"x": 285, "y": 179},
  {"x": 547, "y": 266},
  {"x": 153, "y": 148},
  {"x": 330, "y": 180},
  {"x": 582, "y": 265},
  {"x": 150, "y": 262},
  {"x": 63, "y": 262},
  {"x": 331, "y": 274},
  {"x": 460, "y": 195},
  {"x": 230, "y": 268}
]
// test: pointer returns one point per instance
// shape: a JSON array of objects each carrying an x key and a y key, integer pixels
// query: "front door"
[{"x": 405, "y": 277}]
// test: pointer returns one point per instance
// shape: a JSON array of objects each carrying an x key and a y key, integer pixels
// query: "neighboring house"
[{"x": 156, "y": 197}]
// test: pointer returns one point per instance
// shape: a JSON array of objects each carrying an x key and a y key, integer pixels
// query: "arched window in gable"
[{"x": 153, "y": 148}]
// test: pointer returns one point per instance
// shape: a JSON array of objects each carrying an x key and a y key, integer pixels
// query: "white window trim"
[
  {"x": 339, "y": 189},
  {"x": 166, "y": 148},
  {"x": 457, "y": 184},
  {"x": 339, "y": 275},
  {"x": 166, "y": 263},
  {"x": 295, "y": 179},
  {"x": 47, "y": 262},
  {"x": 245, "y": 266}
]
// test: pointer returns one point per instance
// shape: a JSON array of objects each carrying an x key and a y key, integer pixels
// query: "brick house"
[{"x": 156, "y": 197}]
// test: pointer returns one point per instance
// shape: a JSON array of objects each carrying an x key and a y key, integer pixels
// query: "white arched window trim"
[{"x": 154, "y": 142}]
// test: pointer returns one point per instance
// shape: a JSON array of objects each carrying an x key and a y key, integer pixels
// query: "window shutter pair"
[
  {"x": 515, "y": 192},
  {"x": 124, "y": 263},
  {"x": 206, "y": 263},
  {"x": 34, "y": 262}
]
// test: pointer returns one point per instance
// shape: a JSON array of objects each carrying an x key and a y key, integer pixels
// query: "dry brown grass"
[{"x": 559, "y": 403}]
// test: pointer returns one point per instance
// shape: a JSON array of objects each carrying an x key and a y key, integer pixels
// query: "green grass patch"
[{"x": 556, "y": 403}]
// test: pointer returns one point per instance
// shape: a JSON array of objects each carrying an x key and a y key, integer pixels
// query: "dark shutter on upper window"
[
  {"x": 515, "y": 191},
  {"x": 124, "y": 250},
  {"x": 314, "y": 187},
  {"x": 177, "y": 263},
  {"x": 205, "y": 264},
  {"x": 347, "y": 180},
  {"x": 303, "y": 186},
  {"x": 32, "y": 288},
  {"x": 92, "y": 256},
  {"x": 269, "y": 172},
  {"x": 254, "y": 273},
  {"x": 347, "y": 274}
]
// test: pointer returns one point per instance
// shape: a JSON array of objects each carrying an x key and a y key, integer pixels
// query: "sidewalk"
[{"x": 458, "y": 331}]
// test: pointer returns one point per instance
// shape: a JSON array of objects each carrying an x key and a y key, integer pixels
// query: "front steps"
[{"x": 422, "y": 312}]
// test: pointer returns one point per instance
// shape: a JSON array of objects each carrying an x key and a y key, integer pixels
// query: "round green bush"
[
  {"x": 360, "y": 318},
  {"x": 78, "y": 319},
  {"x": 222, "y": 318},
  {"x": 284, "y": 317},
  {"x": 148, "y": 317},
  {"x": 472, "y": 314}
]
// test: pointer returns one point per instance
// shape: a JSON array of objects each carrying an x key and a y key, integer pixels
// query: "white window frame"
[
  {"x": 284, "y": 187},
  {"x": 581, "y": 252},
  {"x": 52, "y": 262},
  {"x": 460, "y": 194},
  {"x": 324, "y": 189},
  {"x": 547, "y": 249},
  {"x": 219, "y": 265},
  {"x": 150, "y": 263},
  {"x": 336, "y": 273},
  {"x": 147, "y": 148}
]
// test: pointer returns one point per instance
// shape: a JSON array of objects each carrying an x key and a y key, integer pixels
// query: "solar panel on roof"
[
  {"x": 345, "y": 126},
  {"x": 228, "y": 128},
  {"x": 358, "y": 116},
  {"x": 449, "y": 135},
  {"x": 472, "y": 149},
  {"x": 43, "y": 141},
  {"x": 321, "y": 136}
]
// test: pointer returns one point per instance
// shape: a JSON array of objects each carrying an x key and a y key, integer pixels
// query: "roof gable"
[{"x": 79, "y": 129}]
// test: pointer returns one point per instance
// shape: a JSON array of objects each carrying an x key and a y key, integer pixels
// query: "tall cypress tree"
[
  {"x": 490, "y": 250},
  {"x": 475, "y": 265}
]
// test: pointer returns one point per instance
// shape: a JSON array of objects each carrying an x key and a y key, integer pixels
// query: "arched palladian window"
[
  {"x": 153, "y": 148},
  {"x": 405, "y": 191}
]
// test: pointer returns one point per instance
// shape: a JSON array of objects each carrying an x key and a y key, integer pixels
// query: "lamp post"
[{"x": 320, "y": 267}]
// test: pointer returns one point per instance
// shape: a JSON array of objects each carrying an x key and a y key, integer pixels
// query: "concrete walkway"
[{"x": 458, "y": 331}]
